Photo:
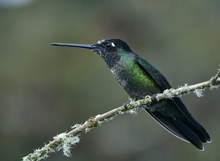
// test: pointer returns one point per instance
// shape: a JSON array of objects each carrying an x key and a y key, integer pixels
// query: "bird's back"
[{"x": 139, "y": 78}]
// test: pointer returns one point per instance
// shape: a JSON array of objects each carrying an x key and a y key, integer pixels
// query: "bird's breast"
[{"x": 136, "y": 83}]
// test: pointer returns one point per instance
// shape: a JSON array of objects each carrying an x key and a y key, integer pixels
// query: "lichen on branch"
[{"x": 66, "y": 140}]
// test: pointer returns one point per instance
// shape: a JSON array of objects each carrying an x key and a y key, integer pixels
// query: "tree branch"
[{"x": 66, "y": 140}]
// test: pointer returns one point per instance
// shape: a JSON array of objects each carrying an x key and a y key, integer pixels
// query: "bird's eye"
[{"x": 109, "y": 45}]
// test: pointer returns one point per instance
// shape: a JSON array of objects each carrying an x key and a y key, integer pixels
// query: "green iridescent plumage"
[{"x": 139, "y": 78}]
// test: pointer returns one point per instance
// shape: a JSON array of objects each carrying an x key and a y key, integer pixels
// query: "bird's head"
[{"x": 110, "y": 50}]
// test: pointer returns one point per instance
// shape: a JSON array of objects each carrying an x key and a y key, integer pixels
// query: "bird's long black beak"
[{"x": 86, "y": 46}]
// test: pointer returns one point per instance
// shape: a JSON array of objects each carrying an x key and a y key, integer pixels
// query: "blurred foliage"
[{"x": 44, "y": 89}]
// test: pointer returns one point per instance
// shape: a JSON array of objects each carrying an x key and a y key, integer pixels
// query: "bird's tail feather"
[{"x": 185, "y": 127}]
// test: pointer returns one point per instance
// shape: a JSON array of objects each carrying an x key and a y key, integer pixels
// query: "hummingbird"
[{"x": 139, "y": 78}]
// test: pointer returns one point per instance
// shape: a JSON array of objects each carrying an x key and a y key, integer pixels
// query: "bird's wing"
[{"x": 182, "y": 125}]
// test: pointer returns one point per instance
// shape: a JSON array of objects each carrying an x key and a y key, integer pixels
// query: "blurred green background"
[{"x": 45, "y": 89}]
